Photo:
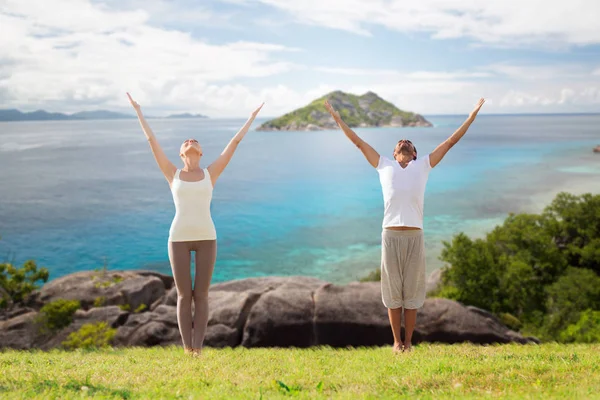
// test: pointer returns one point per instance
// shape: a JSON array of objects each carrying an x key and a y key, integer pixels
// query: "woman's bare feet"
[
  {"x": 196, "y": 352},
  {"x": 398, "y": 348},
  {"x": 407, "y": 347},
  {"x": 187, "y": 350}
]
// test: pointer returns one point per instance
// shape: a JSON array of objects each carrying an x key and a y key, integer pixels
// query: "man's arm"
[
  {"x": 370, "y": 154},
  {"x": 438, "y": 154}
]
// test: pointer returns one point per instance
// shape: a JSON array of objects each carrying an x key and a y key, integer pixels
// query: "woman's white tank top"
[{"x": 192, "y": 219}]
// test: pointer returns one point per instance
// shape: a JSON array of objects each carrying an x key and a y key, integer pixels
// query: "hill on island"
[
  {"x": 186, "y": 115},
  {"x": 368, "y": 110}
]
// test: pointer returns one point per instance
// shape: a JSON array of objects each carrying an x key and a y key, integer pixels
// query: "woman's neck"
[{"x": 191, "y": 164}]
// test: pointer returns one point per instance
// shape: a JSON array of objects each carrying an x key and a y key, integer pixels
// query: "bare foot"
[
  {"x": 407, "y": 347},
  {"x": 187, "y": 350},
  {"x": 397, "y": 348},
  {"x": 196, "y": 352}
]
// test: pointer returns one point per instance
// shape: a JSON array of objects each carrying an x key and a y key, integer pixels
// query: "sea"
[{"x": 83, "y": 195}]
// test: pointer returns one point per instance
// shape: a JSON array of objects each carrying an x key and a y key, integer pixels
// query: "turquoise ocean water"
[{"x": 79, "y": 195}]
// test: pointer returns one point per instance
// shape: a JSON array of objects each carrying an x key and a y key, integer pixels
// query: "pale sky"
[{"x": 223, "y": 57}]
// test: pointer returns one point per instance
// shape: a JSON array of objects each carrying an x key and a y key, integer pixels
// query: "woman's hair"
[{"x": 409, "y": 142}]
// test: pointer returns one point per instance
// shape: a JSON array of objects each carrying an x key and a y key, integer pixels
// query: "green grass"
[{"x": 430, "y": 371}]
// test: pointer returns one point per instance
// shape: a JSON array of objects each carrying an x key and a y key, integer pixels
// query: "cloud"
[
  {"x": 85, "y": 53},
  {"x": 69, "y": 55},
  {"x": 508, "y": 22},
  {"x": 171, "y": 13}
]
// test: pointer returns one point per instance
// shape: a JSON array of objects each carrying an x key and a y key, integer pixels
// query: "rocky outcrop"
[
  {"x": 255, "y": 312},
  {"x": 104, "y": 288},
  {"x": 368, "y": 110}
]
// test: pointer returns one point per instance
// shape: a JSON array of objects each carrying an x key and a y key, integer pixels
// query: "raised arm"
[
  {"x": 370, "y": 154},
  {"x": 167, "y": 167},
  {"x": 220, "y": 163},
  {"x": 436, "y": 156}
]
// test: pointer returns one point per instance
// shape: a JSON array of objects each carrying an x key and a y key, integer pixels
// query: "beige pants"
[{"x": 403, "y": 275}]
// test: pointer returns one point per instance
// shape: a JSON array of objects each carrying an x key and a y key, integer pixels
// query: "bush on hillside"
[
  {"x": 57, "y": 315},
  {"x": 374, "y": 276},
  {"x": 585, "y": 330},
  {"x": 17, "y": 283},
  {"x": 544, "y": 270},
  {"x": 91, "y": 336},
  {"x": 577, "y": 290}
]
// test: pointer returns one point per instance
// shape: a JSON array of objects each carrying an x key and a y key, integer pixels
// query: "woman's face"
[{"x": 189, "y": 147}]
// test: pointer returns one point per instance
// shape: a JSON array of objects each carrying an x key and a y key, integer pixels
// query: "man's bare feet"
[
  {"x": 398, "y": 348},
  {"x": 187, "y": 350},
  {"x": 196, "y": 352},
  {"x": 407, "y": 347}
]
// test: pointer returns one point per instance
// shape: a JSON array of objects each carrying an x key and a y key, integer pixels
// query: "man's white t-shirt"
[{"x": 403, "y": 191}]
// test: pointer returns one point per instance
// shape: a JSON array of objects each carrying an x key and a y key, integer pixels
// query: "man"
[{"x": 403, "y": 182}]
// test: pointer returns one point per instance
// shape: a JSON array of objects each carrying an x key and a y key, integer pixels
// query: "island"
[
  {"x": 186, "y": 115},
  {"x": 368, "y": 110}
]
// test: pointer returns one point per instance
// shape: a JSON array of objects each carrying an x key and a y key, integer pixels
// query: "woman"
[
  {"x": 192, "y": 228},
  {"x": 403, "y": 182}
]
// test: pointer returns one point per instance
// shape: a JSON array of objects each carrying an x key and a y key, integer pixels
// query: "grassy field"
[{"x": 430, "y": 371}]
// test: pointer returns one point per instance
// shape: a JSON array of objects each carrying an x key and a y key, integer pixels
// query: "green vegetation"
[
  {"x": 57, "y": 315},
  {"x": 141, "y": 308},
  {"x": 99, "y": 301},
  {"x": 539, "y": 271},
  {"x": 430, "y": 371},
  {"x": 107, "y": 282},
  {"x": 374, "y": 276},
  {"x": 91, "y": 336},
  {"x": 17, "y": 283},
  {"x": 375, "y": 111},
  {"x": 127, "y": 307}
]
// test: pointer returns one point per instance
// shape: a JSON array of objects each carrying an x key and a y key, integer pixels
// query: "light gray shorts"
[{"x": 403, "y": 277}]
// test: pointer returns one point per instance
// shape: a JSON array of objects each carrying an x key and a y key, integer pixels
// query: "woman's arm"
[
  {"x": 370, "y": 154},
  {"x": 166, "y": 166},
  {"x": 220, "y": 163},
  {"x": 436, "y": 156}
]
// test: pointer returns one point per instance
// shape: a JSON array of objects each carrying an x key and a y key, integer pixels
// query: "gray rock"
[
  {"x": 141, "y": 290},
  {"x": 446, "y": 321},
  {"x": 106, "y": 288},
  {"x": 351, "y": 315},
  {"x": 158, "y": 327},
  {"x": 155, "y": 333},
  {"x": 268, "y": 283},
  {"x": 281, "y": 318},
  {"x": 434, "y": 279},
  {"x": 256, "y": 312},
  {"x": 171, "y": 297},
  {"x": 219, "y": 336},
  {"x": 19, "y": 332}
]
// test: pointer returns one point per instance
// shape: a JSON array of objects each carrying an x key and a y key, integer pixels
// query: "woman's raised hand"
[{"x": 135, "y": 105}]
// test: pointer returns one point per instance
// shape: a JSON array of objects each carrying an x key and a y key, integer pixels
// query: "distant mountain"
[
  {"x": 100, "y": 114},
  {"x": 41, "y": 115},
  {"x": 187, "y": 115},
  {"x": 368, "y": 110}
]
